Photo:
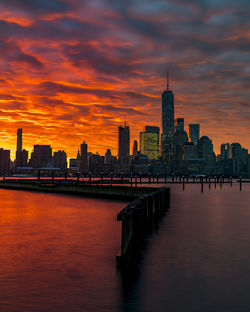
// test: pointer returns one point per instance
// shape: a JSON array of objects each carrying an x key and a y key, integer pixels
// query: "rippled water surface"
[{"x": 57, "y": 253}]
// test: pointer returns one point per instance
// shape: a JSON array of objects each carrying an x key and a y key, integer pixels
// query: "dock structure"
[
  {"x": 137, "y": 219},
  {"x": 146, "y": 208},
  {"x": 120, "y": 192}
]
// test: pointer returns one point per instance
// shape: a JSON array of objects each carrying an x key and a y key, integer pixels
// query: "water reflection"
[{"x": 57, "y": 253}]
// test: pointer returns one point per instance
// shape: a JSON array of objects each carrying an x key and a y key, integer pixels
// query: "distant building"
[
  {"x": 180, "y": 138},
  {"x": 22, "y": 158},
  {"x": 205, "y": 151},
  {"x": 60, "y": 160},
  {"x": 108, "y": 158},
  {"x": 41, "y": 157},
  {"x": 96, "y": 163},
  {"x": 135, "y": 148},
  {"x": 189, "y": 151},
  {"x": 74, "y": 163},
  {"x": 179, "y": 124},
  {"x": 149, "y": 142},
  {"x": 4, "y": 161},
  {"x": 194, "y": 133},
  {"x": 19, "y": 145},
  {"x": 21, "y": 155},
  {"x": 225, "y": 151},
  {"x": 124, "y": 144},
  {"x": 167, "y": 137},
  {"x": 84, "y": 158}
]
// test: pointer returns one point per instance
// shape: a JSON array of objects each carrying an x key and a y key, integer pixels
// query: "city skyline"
[{"x": 71, "y": 71}]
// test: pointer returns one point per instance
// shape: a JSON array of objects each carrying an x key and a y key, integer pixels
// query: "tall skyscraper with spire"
[{"x": 167, "y": 137}]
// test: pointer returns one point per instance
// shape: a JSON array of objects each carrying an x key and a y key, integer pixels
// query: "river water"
[{"x": 57, "y": 253}]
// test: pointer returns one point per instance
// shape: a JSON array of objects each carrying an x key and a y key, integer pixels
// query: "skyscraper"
[
  {"x": 84, "y": 158},
  {"x": 179, "y": 124},
  {"x": 149, "y": 142},
  {"x": 167, "y": 138},
  {"x": 124, "y": 144},
  {"x": 60, "y": 160},
  {"x": 194, "y": 133},
  {"x": 135, "y": 148},
  {"x": 41, "y": 157},
  {"x": 19, "y": 145},
  {"x": 21, "y": 155}
]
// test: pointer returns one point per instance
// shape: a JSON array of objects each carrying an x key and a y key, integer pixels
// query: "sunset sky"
[{"x": 71, "y": 70}]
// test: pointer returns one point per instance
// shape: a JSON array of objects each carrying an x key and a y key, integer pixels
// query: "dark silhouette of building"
[
  {"x": 21, "y": 155},
  {"x": 205, "y": 151},
  {"x": 4, "y": 161},
  {"x": 124, "y": 144},
  {"x": 179, "y": 124},
  {"x": 167, "y": 138},
  {"x": 194, "y": 133},
  {"x": 19, "y": 145},
  {"x": 22, "y": 158},
  {"x": 84, "y": 158},
  {"x": 180, "y": 139},
  {"x": 135, "y": 148},
  {"x": 60, "y": 160},
  {"x": 41, "y": 157}
]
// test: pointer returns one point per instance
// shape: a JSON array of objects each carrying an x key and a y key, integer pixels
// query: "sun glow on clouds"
[{"x": 72, "y": 70}]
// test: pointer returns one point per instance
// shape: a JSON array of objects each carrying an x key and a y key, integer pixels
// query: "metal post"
[
  {"x": 38, "y": 175},
  {"x": 240, "y": 184},
  {"x": 65, "y": 175},
  {"x": 90, "y": 176},
  {"x": 52, "y": 176}
]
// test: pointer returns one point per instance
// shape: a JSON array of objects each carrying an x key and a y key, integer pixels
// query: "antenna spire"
[{"x": 167, "y": 80}]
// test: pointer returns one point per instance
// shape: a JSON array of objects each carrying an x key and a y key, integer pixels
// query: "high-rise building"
[
  {"x": 180, "y": 139},
  {"x": 108, "y": 157},
  {"x": 179, "y": 124},
  {"x": 149, "y": 142},
  {"x": 19, "y": 145},
  {"x": 124, "y": 144},
  {"x": 135, "y": 148},
  {"x": 194, "y": 133},
  {"x": 224, "y": 151},
  {"x": 168, "y": 111},
  {"x": 4, "y": 160},
  {"x": 21, "y": 155},
  {"x": 41, "y": 157},
  {"x": 167, "y": 138},
  {"x": 205, "y": 151},
  {"x": 84, "y": 158},
  {"x": 60, "y": 160},
  {"x": 22, "y": 158}
]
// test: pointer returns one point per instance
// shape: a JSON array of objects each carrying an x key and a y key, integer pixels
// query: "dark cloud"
[{"x": 36, "y": 6}]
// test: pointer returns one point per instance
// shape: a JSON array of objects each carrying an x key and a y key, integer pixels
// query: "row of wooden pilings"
[{"x": 138, "y": 219}]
